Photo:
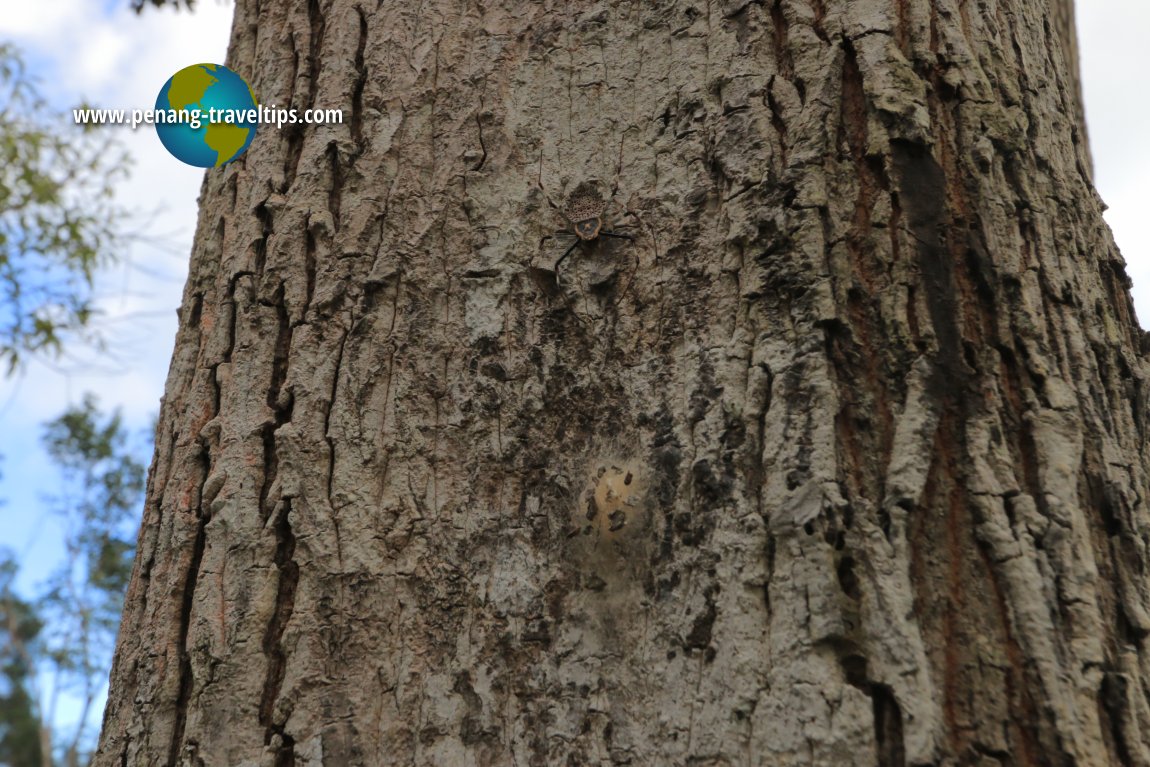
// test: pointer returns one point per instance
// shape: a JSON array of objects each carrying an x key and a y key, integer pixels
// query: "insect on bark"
[{"x": 584, "y": 212}]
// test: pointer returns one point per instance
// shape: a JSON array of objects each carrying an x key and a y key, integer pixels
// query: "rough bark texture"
[{"x": 843, "y": 461}]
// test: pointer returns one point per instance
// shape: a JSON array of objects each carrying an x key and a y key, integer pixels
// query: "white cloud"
[{"x": 41, "y": 22}]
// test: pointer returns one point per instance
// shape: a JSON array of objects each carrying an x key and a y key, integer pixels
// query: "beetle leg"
[{"x": 564, "y": 256}]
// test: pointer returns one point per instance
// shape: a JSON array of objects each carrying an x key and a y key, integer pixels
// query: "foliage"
[
  {"x": 140, "y": 5},
  {"x": 61, "y": 643},
  {"x": 19, "y": 627},
  {"x": 58, "y": 220},
  {"x": 99, "y": 493},
  {"x": 59, "y": 225}
]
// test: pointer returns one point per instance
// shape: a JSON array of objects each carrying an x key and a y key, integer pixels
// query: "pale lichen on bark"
[{"x": 871, "y": 363}]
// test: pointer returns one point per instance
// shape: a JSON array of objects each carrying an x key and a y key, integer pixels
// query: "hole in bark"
[
  {"x": 887, "y": 727},
  {"x": 700, "y": 636},
  {"x": 1106, "y": 506},
  {"x": 847, "y": 578},
  {"x": 285, "y": 750},
  {"x": 970, "y": 356},
  {"x": 1112, "y": 701},
  {"x": 854, "y": 669}
]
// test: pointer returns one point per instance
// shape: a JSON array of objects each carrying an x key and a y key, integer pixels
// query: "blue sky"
[{"x": 105, "y": 54}]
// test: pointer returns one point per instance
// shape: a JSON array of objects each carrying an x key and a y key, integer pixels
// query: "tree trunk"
[{"x": 842, "y": 461}]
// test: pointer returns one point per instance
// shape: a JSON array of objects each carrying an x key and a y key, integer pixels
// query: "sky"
[
  {"x": 105, "y": 54},
  {"x": 1111, "y": 34}
]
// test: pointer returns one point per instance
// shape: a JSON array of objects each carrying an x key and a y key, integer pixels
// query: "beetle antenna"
[
  {"x": 539, "y": 183},
  {"x": 618, "y": 166}
]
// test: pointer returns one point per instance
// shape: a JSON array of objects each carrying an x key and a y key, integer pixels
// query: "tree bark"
[{"x": 842, "y": 461}]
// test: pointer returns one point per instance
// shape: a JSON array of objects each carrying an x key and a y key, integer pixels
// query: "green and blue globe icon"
[{"x": 207, "y": 91}]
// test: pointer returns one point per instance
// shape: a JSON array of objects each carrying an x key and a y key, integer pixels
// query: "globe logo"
[{"x": 206, "y": 115}]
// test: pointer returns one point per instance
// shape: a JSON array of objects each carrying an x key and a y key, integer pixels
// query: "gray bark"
[{"x": 843, "y": 461}]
